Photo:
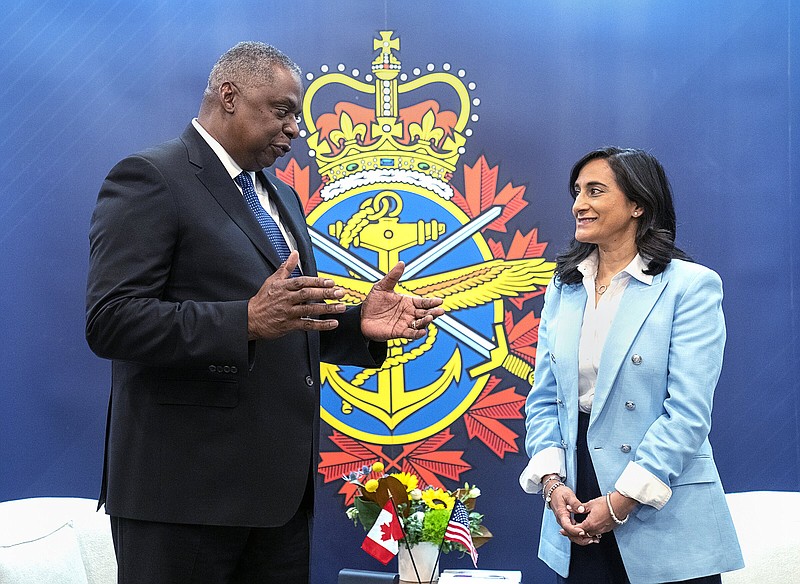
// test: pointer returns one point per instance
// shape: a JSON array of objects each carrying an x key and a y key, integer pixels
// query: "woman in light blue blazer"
[{"x": 629, "y": 353}]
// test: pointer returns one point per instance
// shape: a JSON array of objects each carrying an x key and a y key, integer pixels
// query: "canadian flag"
[{"x": 381, "y": 541}]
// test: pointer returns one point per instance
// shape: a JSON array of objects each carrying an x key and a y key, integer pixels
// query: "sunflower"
[
  {"x": 438, "y": 499},
  {"x": 409, "y": 480}
]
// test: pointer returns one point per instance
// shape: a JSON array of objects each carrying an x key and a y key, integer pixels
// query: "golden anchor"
[{"x": 376, "y": 226}]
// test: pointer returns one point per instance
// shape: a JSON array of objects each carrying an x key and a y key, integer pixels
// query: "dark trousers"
[
  {"x": 168, "y": 553},
  {"x": 599, "y": 563}
]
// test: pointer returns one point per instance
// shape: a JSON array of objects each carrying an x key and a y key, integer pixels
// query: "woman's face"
[{"x": 603, "y": 214}]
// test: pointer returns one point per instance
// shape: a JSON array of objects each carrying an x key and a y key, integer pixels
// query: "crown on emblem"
[{"x": 419, "y": 143}]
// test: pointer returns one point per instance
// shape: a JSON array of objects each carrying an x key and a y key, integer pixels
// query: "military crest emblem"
[{"x": 387, "y": 146}]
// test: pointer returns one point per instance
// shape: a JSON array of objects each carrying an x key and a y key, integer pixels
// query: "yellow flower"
[
  {"x": 409, "y": 480},
  {"x": 377, "y": 467},
  {"x": 371, "y": 486},
  {"x": 438, "y": 499}
]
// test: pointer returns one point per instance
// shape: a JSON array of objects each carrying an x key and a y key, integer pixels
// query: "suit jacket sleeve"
[
  {"x": 134, "y": 233},
  {"x": 697, "y": 341},
  {"x": 544, "y": 440}
]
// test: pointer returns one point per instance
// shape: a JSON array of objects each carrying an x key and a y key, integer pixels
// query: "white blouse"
[{"x": 597, "y": 320}]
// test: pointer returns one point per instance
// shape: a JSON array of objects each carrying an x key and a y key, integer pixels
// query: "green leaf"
[{"x": 367, "y": 512}]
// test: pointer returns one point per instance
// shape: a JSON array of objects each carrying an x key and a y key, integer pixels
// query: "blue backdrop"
[{"x": 705, "y": 86}]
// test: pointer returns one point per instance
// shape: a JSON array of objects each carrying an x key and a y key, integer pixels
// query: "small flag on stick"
[
  {"x": 382, "y": 538},
  {"x": 458, "y": 530}
]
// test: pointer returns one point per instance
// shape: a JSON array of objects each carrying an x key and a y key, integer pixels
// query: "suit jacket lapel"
[
  {"x": 212, "y": 174},
  {"x": 637, "y": 302}
]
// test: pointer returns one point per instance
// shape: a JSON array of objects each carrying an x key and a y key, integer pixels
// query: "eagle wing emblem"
[
  {"x": 485, "y": 282},
  {"x": 464, "y": 287}
]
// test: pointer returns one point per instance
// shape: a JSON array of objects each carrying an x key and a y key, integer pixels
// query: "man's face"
[{"x": 264, "y": 120}]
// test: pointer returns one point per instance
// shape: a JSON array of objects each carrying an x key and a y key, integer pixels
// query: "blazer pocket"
[
  {"x": 199, "y": 392},
  {"x": 701, "y": 469}
]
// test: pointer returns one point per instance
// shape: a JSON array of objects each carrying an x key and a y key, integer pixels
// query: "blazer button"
[
  {"x": 629, "y": 405},
  {"x": 309, "y": 380},
  {"x": 234, "y": 369},
  {"x": 212, "y": 368},
  {"x": 226, "y": 369},
  {"x": 626, "y": 448},
  {"x": 636, "y": 359}
]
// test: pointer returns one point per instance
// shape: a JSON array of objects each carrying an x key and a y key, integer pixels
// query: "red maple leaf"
[
  {"x": 523, "y": 335},
  {"x": 511, "y": 199},
  {"x": 483, "y": 418},
  {"x": 354, "y": 455},
  {"x": 425, "y": 460},
  {"x": 480, "y": 194},
  {"x": 391, "y": 530},
  {"x": 496, "y": 248},
  {"x": 522, "y": 246},
  {"x": 296, "y": 177},
  {"x": 313, "y": 201},
  {"x": 349, "y": 490}
]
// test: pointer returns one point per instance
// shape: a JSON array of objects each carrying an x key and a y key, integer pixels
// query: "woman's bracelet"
[
  {"x": 552, "y": 477},
  {"x": 552, "y": 488},
  {"x": 611, "y": 511}
]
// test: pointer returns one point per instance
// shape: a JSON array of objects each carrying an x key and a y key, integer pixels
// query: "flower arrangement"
[{"x": 424, "y": 512}]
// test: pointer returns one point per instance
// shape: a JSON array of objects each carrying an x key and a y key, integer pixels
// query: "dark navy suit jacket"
[{"x": 204, "y": 426}]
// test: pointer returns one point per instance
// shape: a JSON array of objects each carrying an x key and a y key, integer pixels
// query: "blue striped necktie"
[{"x": 264, "y": 219}]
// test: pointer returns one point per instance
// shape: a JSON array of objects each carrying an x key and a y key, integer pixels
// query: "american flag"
[{"x": 458, "y": 530}]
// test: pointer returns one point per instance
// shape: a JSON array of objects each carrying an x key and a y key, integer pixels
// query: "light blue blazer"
[{"x": 652, "y": 406}]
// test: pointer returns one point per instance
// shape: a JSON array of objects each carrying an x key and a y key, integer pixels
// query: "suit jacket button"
[
  {"x": 212, "y": 368},
  {"x": 234, "y": 369},
  {"x": 226, "y": 369},
  {"x": 636, "y": 359},
  {"x": 626, "y": 448},
  {"x": 629, "y": 405},
  {"x": 309, "y": 380}
]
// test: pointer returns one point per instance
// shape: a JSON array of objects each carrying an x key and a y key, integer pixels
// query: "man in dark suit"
[{"x": 213, "y": 423}]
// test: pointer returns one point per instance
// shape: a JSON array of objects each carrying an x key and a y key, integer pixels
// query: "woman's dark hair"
[{"x": 643, "y": 180}]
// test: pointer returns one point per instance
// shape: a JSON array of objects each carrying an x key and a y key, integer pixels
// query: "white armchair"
[
  {"x": 55, "y": 540},
  {"x": 768, "y": 526}
]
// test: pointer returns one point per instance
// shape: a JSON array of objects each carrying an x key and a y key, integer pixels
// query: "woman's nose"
[{"x": 578, "y": 204}]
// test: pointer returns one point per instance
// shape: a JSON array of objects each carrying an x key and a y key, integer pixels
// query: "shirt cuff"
[
  {"x": 548, "y": 461},
  {"x": 638, "y": 483}
]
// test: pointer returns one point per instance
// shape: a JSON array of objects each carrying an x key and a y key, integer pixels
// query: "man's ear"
[{"x": 228, "y": 94}]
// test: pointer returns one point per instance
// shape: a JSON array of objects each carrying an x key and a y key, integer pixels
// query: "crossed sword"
[{"x": 457, "y": 329}]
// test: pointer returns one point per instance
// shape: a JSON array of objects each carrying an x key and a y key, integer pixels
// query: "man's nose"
[{"x": 292, "y": 129}]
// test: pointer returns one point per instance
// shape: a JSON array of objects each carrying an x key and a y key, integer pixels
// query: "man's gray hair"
[{"x": 249, "y": 63}]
